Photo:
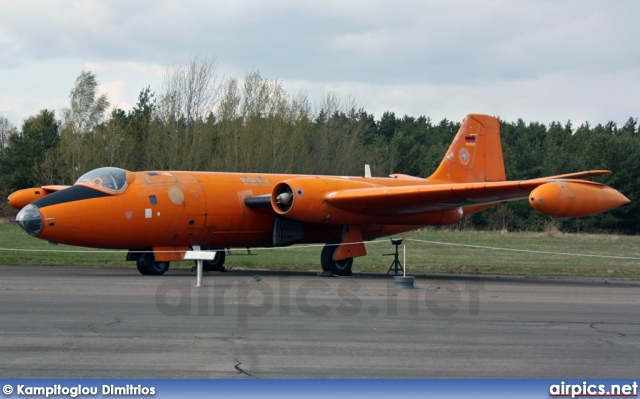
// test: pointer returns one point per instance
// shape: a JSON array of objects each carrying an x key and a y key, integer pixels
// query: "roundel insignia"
[{"x": 464, "y": 156}]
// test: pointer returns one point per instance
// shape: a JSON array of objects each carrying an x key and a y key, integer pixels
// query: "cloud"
[
  {"x": 410, "y": 41},
  {"x": 562, "y": 96},
  {"x": 47, "y": 84},
  {"x": 405, "y": 49}
]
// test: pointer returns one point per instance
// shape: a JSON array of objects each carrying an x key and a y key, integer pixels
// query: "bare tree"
[
  {"x": 190, "y": 92},
  {"x": 336, "y": 146},
  {"x": 86, "y": 112},
  {"x": 189, "y": 96},
  {"x": 6, "y": 130}
]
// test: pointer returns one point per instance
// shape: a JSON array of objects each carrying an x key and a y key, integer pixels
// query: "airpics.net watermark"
[
  {"x": 315, "y": 297},
  {"x": 588, "y": 389}
]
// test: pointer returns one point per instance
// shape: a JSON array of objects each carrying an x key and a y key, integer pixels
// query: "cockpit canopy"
[{"x": 109, "y": 180}]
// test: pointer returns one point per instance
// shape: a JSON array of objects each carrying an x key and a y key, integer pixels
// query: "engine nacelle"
[
  {"x": 574, "y": 198},
  {"x": 303, "y": 199}
]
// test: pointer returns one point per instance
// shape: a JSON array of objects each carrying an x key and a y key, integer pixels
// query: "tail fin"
[{"x": 475, "y": 154}]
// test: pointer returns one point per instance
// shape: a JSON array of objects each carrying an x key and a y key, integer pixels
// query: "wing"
[{"x": 407, "y": 200}]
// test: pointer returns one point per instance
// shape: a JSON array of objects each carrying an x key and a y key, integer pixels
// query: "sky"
[{"x": 538, "y": 60}]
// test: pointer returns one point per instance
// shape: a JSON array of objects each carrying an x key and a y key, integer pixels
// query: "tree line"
[{"x": 201, "y": 121}]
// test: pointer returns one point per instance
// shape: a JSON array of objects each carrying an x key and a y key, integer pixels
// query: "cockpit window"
[{"x": 110, "y": 180}]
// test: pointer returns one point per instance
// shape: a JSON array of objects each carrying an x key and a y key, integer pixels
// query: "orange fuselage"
[{"x": 182, "y": 209}]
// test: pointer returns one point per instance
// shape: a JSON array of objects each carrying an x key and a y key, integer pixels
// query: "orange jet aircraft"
[{"x": 158, "y": 215}]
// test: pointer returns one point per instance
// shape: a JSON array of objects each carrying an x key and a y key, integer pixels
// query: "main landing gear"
[
  {"x": 337, "y": 267},
  {"x": 217, "y": 264},
  {"x": 148, "y": 266}
]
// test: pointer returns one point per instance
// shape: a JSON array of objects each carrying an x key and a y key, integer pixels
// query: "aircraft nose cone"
[{"x": 30, "y": 219}]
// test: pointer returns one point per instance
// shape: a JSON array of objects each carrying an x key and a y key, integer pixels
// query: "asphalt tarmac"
[{"x": 58, "y": 322}]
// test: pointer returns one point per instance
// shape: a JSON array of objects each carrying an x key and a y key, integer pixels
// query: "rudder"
[{"x": 475, "y": 155}]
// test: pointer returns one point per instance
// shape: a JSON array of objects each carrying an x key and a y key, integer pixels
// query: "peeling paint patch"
[
  {"x": 255, "y": 181},
  {"x": 242, "y": 195},
  {"x": 175, "y": 195},
  {"x": 128, "y": 214}
]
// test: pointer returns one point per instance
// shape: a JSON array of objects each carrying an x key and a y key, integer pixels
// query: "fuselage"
[{"x": 181, "y": 209}]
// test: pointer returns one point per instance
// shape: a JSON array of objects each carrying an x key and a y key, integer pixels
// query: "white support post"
[
  {"x": 404, "y": 281},
  {"x": 199, "y": 278},
  {"x": 404, "y": 256},
  {"x": 199, "y": 264},
  {"x": 199, "y": 256}
]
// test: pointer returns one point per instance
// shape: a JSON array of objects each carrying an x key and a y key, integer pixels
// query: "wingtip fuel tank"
[
  {"x": 575, "y": 198},
  {"x": 22, "y": 198}
]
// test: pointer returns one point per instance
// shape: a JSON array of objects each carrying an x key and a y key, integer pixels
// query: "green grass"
[{"x": 421, "y": 257}]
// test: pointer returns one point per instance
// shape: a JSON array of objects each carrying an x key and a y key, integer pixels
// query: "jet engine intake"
[{"x": 303, "y": 198}]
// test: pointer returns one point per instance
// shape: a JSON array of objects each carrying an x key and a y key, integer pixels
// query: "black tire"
[
  {"x": 339, "y": 268},
  {"x": 217, "y": 264},
  {"x": 148, "y": 266},
  {"x": 142, "y": 267}
]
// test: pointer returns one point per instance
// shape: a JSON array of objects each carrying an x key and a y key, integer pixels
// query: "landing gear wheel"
[
  {"x": 148, "y": 266},
  {"x": 142, "y": 267},
  {"x": 217, "y": 264},
  {"x": 340, "y": 267}
]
